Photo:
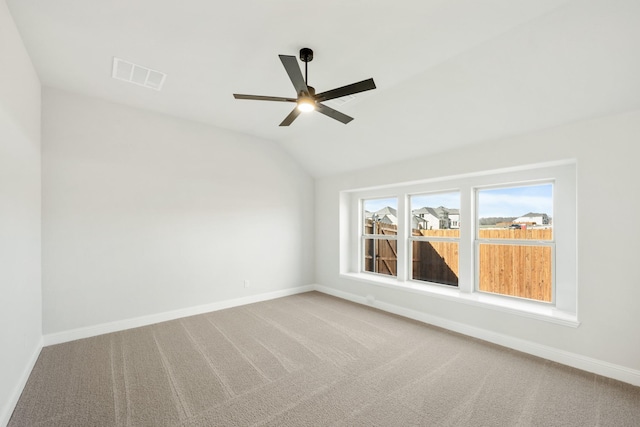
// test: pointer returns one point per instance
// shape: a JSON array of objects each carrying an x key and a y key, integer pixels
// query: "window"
[
  {"x": 434, "y": 238},
  {"x": 379, "y": 236},
  {"x": 514, "y": 241},
  {"x": 499, "y": 239}
]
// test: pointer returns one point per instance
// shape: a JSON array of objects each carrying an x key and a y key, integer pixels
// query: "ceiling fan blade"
[
  {"x": 334, "y": 114},
  {"x": 263, "y": 98},
  {"x": 291, "y": 117},
  {"x": 346, "y": 90},
  {"x": 293, "y": 70}
]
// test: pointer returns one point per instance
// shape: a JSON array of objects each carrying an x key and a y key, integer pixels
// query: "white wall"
[
  {"x": 608, "y": 276},
  {"x": 144, "y": 213},
  {"x": 20, "y": 292}
]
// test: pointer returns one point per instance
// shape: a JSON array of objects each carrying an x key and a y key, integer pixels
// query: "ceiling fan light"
[{"x": 306, "y": 105}]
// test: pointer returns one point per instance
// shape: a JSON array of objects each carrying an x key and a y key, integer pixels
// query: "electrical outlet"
[{"x": 246, "y": 283}]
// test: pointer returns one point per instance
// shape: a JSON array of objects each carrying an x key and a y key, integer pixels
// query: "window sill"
[{"x": 518, "y": 307}]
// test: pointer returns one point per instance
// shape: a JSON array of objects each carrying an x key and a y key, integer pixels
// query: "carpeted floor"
[{"x": 310, "y": 360}]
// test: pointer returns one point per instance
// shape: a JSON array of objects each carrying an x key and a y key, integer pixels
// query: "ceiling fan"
[{"x": 307, "y": 99}]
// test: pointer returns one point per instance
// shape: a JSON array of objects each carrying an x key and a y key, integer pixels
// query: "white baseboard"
[
  {"x": 121, "y": 325},
  {"x": 610, "y": 370},
  {"x": 7, "y": 408}
]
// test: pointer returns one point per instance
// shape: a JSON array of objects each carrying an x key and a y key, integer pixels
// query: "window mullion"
[
  {"x": 402, "y": 245},
  {"x": 466, "y": 250}
]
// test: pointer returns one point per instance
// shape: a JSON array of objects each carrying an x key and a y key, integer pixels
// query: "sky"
[
  {"x": 495, "y": 202},
  {"x": 516, "y": 201},
  {"x": 373, "y": 205},
  {"x": 448, "y": 200}
]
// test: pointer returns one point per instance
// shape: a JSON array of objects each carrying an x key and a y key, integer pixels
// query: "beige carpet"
[{"x": 310, "y": 360}]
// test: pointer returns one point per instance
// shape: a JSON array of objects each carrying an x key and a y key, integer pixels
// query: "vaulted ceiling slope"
[{"x": 449, "y": 72}]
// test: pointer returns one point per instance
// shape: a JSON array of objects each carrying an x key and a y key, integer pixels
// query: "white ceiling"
[{"x": 449, "y": 72}]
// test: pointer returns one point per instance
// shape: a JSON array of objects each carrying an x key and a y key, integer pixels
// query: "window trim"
[
  {"x": 562, "y": 311},
  {"x": 363, "y": 237},
  {"x": 514, "y": 242},
  {"x": 411, "y": 238}
]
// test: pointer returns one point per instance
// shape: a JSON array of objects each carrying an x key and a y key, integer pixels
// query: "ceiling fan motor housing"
[{"x": 306, "y": 54}]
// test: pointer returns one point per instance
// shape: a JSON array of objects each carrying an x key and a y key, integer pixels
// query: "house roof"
[
  {"x": 532, "y": 214},
  {"x": 387, "y": 210},
  {"x": 389, "y": 219},
  {"x": 448, "y": 73},
  {"x": 437, "y": 212},
  {"x": 425, "y": 210}
]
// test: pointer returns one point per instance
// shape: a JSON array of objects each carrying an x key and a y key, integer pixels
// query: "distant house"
[
  {"x": 386, "y": 215},
  {"x": 454, "y": 217},
  {"x": 417, "y": 223},
  {"x": 389, "y": 219},
  {"x": 533, "y": 218},
  {"x": 387, "y": 211},
  {"x": 425, "y": 218},
  {"x": 431, "y": 219}
]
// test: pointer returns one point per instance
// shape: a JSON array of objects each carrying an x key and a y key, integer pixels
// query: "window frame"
[
  {"x": 514, "y": 242},
  {"x": 364, "y": 237},
  {"x": 563, "y": 309},
  {"x": 411, "y": 238}
]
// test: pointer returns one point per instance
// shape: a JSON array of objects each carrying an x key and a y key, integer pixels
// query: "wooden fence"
[
  {"x": 520, "y": 271},
  {"x": 381, "y": 256},
  {"x": 508, "y": 233},
  {"x": 435, "y": 262},
  {"x": 516, "y": 270}
]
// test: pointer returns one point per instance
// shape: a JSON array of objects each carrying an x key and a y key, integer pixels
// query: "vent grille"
[
  {"x": 137, "y": 74},
  {"x": 341, "y": 101}
]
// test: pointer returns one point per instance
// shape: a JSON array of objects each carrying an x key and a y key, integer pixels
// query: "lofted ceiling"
[{"x": 448, "y": 72}]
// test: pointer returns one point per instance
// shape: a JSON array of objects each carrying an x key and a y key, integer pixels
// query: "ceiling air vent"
[
  {"x": 339, "y": 102},
  {"x": 137, "y": 74}
]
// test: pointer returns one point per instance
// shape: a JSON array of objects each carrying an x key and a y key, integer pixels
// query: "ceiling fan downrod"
[{"x": 306, "y": 56}]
